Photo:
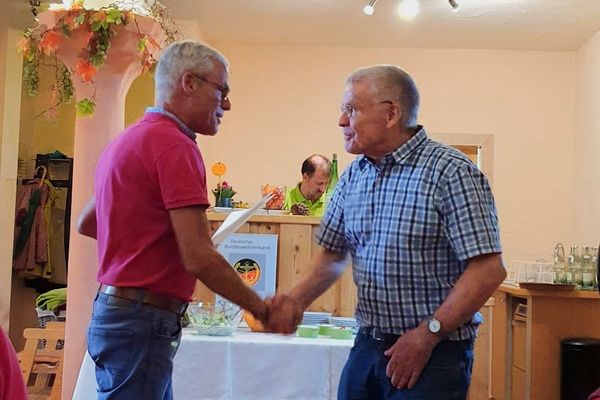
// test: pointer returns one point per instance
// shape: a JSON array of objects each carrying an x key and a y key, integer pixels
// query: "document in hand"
[{"x": 236, "y": 219}]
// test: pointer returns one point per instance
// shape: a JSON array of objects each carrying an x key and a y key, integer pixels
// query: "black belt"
[
  {"x": 157, "y": 300},
  {"x": 377, "y": 334}
]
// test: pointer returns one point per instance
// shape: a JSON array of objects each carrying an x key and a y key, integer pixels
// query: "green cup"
[
  {"x": 340, "y": 333},
  {"x": 325, "y": 329},
  {"x": 308, "y": 331}
]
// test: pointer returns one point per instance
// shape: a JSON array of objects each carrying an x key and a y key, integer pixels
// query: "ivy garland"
[{"x": 39, "y": 46}]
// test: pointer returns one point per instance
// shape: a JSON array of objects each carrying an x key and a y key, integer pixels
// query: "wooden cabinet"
[
  {"x": 518, "y": 384},
  {"x": 525, "y": 351},
  {"x": 480, "y": 388}
]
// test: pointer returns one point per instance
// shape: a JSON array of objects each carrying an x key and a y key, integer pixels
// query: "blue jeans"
[
  {"x": 132, "y": 345},
  {"x": 445, "y": 377}
]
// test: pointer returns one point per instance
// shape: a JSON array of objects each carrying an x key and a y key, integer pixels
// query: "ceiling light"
[
  {"x": 454, "y": 4},
  {"x": 408, "y": 9},
  {"x": 369, "y": 9}
]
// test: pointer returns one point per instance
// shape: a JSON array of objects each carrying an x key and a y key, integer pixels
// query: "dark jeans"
[
  {"x": 132, "y": 345},
  {"x": 445, "y": 377}
]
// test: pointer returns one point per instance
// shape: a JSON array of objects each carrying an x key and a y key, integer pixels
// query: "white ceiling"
[{"x": 482, "y": 24}]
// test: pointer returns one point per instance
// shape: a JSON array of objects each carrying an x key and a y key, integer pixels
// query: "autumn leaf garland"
[{"x": 40, "y": 45}]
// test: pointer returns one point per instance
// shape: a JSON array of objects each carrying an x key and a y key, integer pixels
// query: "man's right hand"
[{"x": 284, "y": 314}]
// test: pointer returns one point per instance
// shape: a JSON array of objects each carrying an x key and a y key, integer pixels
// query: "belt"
[
  {"x": 377, "y": 334},
  {"x": 153, "y": 299}
]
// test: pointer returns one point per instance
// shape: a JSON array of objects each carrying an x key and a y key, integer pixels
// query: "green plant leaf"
[
  {"x": 114, "y": 16},
  {"x": 96, "y": 25},
  {"x": 142, "y": 43},
  {"x": 78, "y": 20},
  {"x": 85, "y": 107},
  {"x": 64, "y": 29}
]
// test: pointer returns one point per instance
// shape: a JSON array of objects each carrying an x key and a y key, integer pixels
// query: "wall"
[
  {"x": 6, "y": 237},
  {"x": 286, "y": 106},
  {"x": 586, "y": 139},
  {"x": 10, "y": 78}
]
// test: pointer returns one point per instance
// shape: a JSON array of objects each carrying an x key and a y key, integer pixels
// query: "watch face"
[{"x": 434, "y": 326}]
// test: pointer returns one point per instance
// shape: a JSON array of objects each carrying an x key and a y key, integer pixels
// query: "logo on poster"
[{"x": 248, "y": 269}]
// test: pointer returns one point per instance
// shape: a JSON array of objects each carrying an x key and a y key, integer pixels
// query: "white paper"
[{"x": 236, "y": 219}]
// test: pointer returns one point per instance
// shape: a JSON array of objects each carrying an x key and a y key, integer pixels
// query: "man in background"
[
  {"x": 149, "y": 218},
  {"x": 315, "y": 170},
  {"x": 419, "y": 221}
]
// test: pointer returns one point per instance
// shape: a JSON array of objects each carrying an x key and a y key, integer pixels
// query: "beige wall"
[
  {"x": 286, "y": 105},
  {"x": 586, "y": 139},
  {"x": 6, "y": 235},
  {"x": 10, "y": 88}
]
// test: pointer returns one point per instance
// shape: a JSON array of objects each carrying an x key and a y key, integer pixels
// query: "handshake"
[{"x": 282, "y": 314}]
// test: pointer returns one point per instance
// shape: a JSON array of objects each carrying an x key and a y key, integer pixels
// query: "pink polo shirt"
[
  {"x": 12, "y": 386},
  {"x": 149, "y": 169}
]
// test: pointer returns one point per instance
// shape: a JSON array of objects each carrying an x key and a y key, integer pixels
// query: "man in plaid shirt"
[{"x": 419, "y": 221}]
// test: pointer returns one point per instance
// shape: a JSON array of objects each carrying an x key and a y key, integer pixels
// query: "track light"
[
  {"x": 454, "y": 4},
  {"x": 34, "y": 4},
  {"x": 408, "y": 9},
  {"x": 369, "y": 9}
]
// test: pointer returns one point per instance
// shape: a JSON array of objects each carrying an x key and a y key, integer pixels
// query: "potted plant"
[
  {"x": 223, "y": 191},
  {"x": 223, "y": 194}
]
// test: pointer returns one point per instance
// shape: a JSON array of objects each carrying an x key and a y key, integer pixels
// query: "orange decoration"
[
  {"x": 254, "y": 324},
  {"x": 50, "y": 42},
  {"x": 23, "y": 46},
  {"x": 86, "y": 70},
  {"x": 218, "y": 169},
  {"x": 98, "y": 16}
]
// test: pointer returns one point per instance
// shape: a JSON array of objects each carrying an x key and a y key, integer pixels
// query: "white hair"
[
  {"x": 179, "y": 57},
  {"x": 389, "y": 82}
]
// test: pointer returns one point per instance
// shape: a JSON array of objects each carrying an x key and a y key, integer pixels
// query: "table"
[
  {"x": 258, "y": 366},
  {"x": 247, "y": 366}
]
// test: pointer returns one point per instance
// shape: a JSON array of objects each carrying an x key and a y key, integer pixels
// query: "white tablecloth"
[
  {"x": 247, "y": 366},
  {"x": 258, "y": 366}
]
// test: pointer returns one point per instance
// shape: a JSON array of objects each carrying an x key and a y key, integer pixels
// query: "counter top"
[
  {"x": 515, "y": 290},
  {"x": 280, "y": 219}
]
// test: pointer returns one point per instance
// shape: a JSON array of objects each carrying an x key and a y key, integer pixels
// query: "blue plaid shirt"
[{"x": 410, "y": 224}]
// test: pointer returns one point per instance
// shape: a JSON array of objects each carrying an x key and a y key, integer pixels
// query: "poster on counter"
[{"x": 254, "y": 257}]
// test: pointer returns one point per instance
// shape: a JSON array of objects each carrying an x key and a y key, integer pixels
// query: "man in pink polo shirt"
[{"x": 149, "y": 218}]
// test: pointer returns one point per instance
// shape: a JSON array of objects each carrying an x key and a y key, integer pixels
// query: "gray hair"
[
  {"x": 389, "y": 82},
  {"x": 179, "y": 57}
]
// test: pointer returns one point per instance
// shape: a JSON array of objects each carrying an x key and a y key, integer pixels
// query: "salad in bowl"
[{"x": 220, "y": 319}]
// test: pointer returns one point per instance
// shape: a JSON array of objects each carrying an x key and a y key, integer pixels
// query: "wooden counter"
[
  {"x": 526, "y": 350},
  {"x": 295, "y": 248}
]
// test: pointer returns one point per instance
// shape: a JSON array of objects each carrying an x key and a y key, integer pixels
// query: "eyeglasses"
[
  {"x": 223, "y": 89},
  {"x": 350, "y": 110}
]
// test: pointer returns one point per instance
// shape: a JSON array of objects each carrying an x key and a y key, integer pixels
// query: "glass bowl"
[{"x": 221, "y": 319}]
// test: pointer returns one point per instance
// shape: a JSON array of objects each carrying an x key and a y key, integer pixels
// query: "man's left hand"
[{"x": 409, "y": 355}]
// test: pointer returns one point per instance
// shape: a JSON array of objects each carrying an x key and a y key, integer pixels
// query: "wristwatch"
[{"x": 434, "y": 325}]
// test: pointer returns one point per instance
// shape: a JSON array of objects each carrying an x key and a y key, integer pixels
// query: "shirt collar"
[
  {"x": 183, "y": 127},
  {"x": 304, "y": 199},
  {"x": 402, "y": 153}
]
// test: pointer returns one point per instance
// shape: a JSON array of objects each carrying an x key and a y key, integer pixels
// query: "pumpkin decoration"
[{"x": 218, "y": 169}]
